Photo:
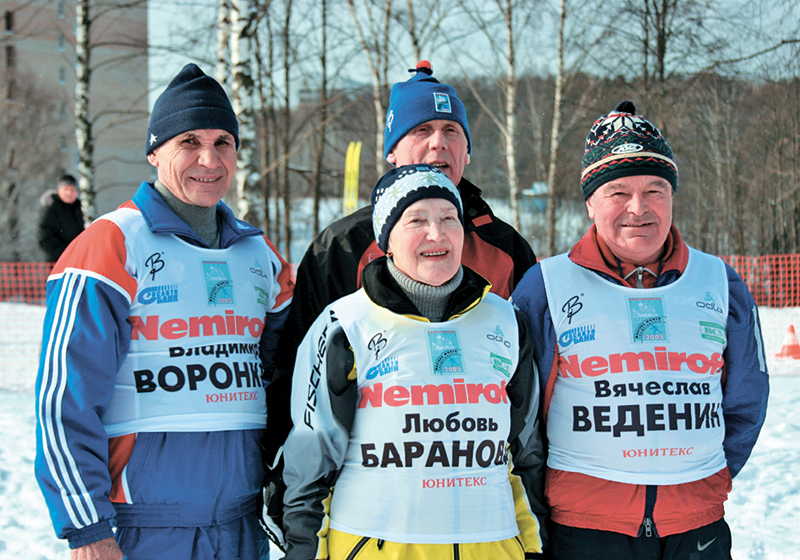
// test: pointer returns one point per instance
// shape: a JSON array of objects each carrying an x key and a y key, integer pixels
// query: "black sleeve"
[
  {"x": 525, "y": 439},
  {"x": 327, "y": 272}
]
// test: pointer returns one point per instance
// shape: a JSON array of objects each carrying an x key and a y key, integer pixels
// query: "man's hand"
[{"x": 107, "y": 549}]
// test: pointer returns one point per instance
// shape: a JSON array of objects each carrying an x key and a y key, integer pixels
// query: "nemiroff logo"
[
  {"x": 153, "y": 327},
  {"x": 659, "y": 360},
  {"x": 456, "y": 392}
]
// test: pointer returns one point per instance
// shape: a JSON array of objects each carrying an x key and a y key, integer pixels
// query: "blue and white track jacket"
[{"x": 150, "y": 393}]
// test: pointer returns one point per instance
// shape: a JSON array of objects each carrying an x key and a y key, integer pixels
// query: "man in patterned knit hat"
[{"x": 651, "y": 362}]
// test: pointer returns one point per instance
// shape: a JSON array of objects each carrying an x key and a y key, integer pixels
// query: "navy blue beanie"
[
  {"x": 403, "y": 186},
  {"x": 421, "y": 99},
  {"x": 192, "y": 101}
]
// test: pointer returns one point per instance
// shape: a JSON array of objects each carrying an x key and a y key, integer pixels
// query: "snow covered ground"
[{"x": 763, "y": 509}]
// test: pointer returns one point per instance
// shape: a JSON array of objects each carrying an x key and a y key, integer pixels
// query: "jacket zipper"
[
  {"x": 357, "y": 548},
  {"x": 648, "y": 527}
]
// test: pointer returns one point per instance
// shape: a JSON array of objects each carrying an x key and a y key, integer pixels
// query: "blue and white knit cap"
[
  {"x": 420, "y": 99},
  {"x": 403, "y": 186},
  {"x": 192, "y": 101}
]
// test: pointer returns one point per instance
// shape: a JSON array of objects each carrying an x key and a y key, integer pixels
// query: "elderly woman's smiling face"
[{"x": 427, "y": 240}]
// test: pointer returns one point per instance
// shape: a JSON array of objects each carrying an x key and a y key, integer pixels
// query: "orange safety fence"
[
  {"x": 24, "y": 282},
  {"x": 774, "y": 280}
]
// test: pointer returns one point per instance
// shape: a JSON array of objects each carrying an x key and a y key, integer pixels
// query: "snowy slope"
[{"x": 763, "y": 509}]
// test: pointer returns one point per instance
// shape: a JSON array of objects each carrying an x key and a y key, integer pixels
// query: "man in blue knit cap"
[
  {"x": 162, "y": 322},
  {"x": 426, "y": 123}
]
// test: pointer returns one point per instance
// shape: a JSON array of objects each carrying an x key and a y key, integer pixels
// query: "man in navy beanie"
[
  {"x": 161, "y": 327},
  {"x": 426, "y": 123}
]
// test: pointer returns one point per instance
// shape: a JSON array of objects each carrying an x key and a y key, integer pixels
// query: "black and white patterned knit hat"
[
  {"x": 624, "y": 144},
  {"x": 403, "y": 186}
]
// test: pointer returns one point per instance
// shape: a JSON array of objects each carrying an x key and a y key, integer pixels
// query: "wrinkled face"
[
  {"x": 633, "y": 216},
  {"x": 441, "y": 143},
  {"x": 427, "y": 240},
  {"x": 67, "y": 193},
  {"x": 197, "y": 166}
]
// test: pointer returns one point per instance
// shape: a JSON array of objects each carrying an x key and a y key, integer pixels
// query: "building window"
[
  {"x": 63, "y": 110},
  {"x": 62, "y": 42},
  {"x": 9, "y": 22},
  {"x": 11, "y": 89},
  {"x": 64, "y": 144},
  {"x": 62, "y": 76},
  {"x": 61, "y": 14},
  {"x": 11, "y": 57}
]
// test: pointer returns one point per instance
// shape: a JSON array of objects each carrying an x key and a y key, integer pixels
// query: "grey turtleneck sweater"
[
  {"x": 430, "y": 300},
  {"x": 202, "y": 220}
]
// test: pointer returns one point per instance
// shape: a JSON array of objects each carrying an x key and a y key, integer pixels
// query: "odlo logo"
[{"x": 709, "y": 303}]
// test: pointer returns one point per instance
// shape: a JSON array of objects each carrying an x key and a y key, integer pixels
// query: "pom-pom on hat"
[
  {"x": 192, "y": 101},
  {"x": 420, "y": 99},
  {"x": 624, "y": 144},
  {"x": 403, "y": 186}
]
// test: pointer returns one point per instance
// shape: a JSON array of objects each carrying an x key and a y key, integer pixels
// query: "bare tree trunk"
[
  {"x": 377, "y": 51},
  {"x": 83, "y": 120},
  {"x": 510, "y": 130},
  {"x": 412, "y": 31},
  {"x": 266, "y": 96},
  {"x": 286, "y": 136},
  {"x": 223, "y": 40},
  {"x": 319, "y": 138},
  {"x": 555, "y": 134},
  {"x": 242, "y": 101},
  {"x": 433, "y": 12}
]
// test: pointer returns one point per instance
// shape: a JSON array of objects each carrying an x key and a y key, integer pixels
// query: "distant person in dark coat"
[{"x": 62, "y": 218}]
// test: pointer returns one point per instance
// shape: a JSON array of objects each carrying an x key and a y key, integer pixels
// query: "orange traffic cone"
[{"x": 790, "y": 347}]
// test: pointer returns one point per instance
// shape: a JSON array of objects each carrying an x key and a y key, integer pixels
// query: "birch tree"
[
  {"x": 83, "y": 119},
  {"x": 434, "y": 14},
  {"x": 223, "y": 41},
  {"x": 87, "y": 15},
  {"x": 373, "y": 37},
  {"x": 319, "y": 139},
  {"x": 500, "y": 24},
  {"x": 285, "y": 146},
  {"x": 555, "y": 132},
  {"x": 244, "y": 20}
]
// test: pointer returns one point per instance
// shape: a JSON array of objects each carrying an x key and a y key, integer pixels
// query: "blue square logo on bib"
[
  {"x": 219, "y": 286},
  {"x": 445, "y": 353},
  {"x": 647, "y": 320}
]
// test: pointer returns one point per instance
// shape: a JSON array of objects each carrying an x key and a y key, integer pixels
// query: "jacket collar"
[
  {"x": 383, "y": 290},
  {"x": 161, "y": 219},
  {"x": 591, "y": 252}
]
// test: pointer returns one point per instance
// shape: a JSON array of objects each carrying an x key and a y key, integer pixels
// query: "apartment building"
[{"x": 38, "y": 67}]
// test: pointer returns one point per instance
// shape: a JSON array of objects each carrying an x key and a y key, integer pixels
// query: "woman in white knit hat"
[{"x": 417, "y": 398}]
